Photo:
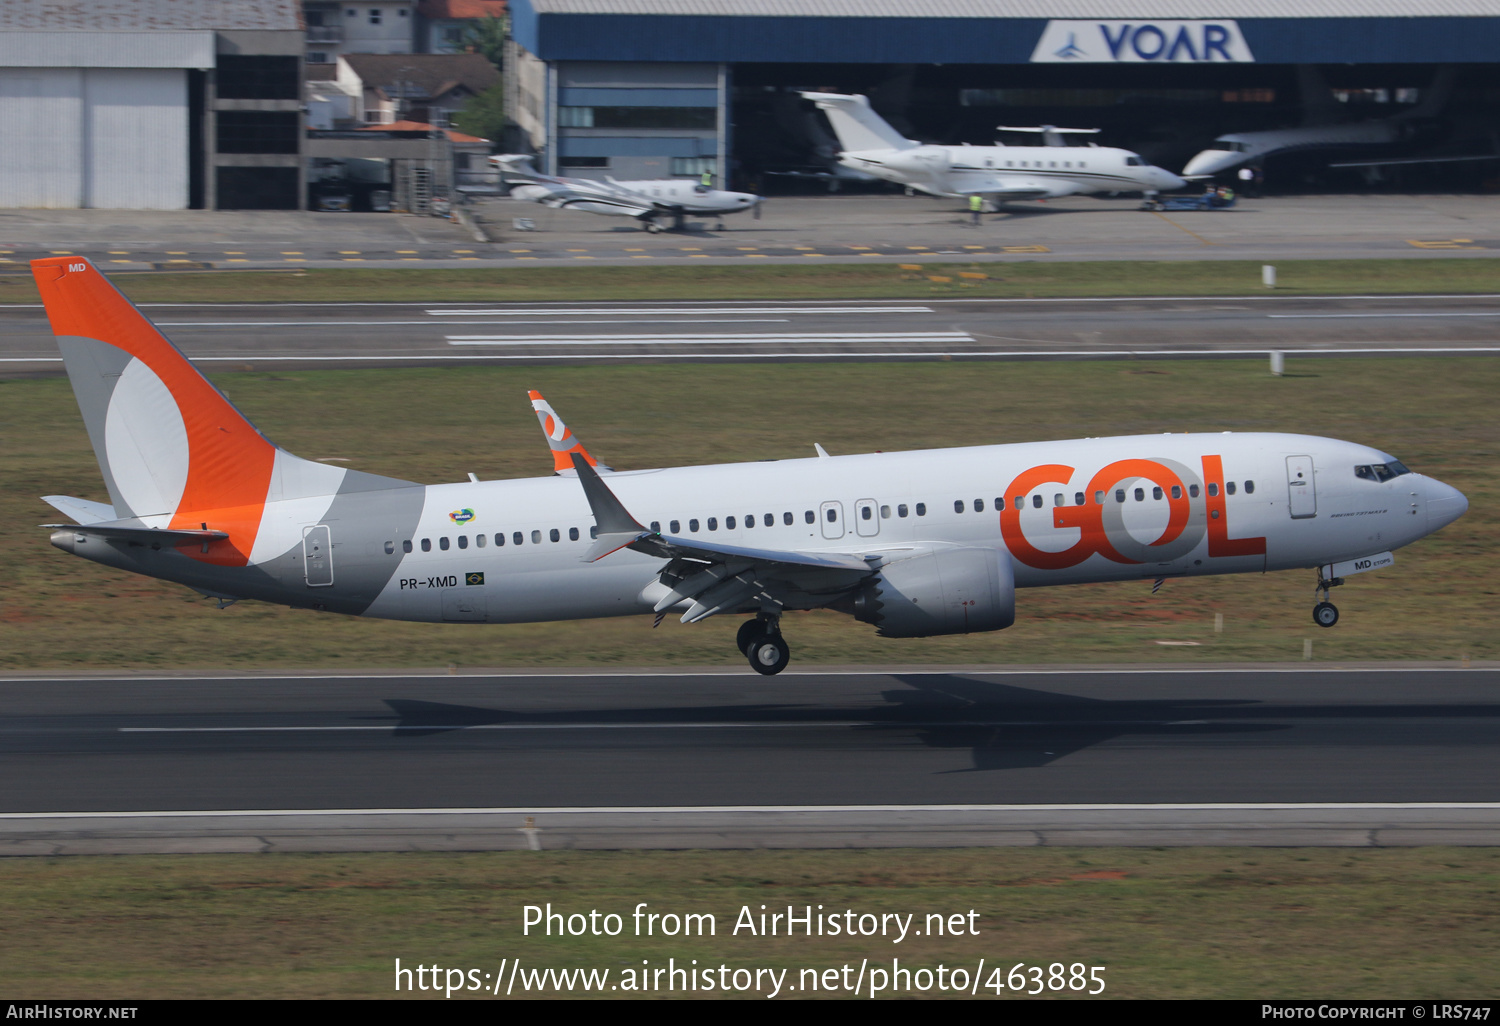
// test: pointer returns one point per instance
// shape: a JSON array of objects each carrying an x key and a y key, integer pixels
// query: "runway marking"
[
  {"x": 1181, "y": 228},
  {"x": 716, "y": 339},
  {"x": 534, "y": 810},
  {"x": 1338, "y": 316},
  {"x": 342, "y": 324},
  {"x": 705, "y": 725},
  {"x": 647, "y": 311}
]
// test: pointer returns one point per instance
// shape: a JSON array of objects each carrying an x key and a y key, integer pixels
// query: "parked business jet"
[
  {"x": 998, "y": 172},
  {"x": 916, "y": 543},
  {"x": 646, "y": 201}
]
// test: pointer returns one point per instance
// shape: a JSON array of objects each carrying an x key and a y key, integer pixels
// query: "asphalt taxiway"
[
  {"x": 1271, "y": 756},
  {"x": 266, "y": 335}
]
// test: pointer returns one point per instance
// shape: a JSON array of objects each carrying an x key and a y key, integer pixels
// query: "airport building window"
[
  {"x": 921, "y": 509},
  {"x": 788, "y": 519},
  {"x": 885, "y": 512},
  {"x": 443, "y": 543},
  {"x": 1229, "y": 487},
  {"x": 374, "y": 15},
  {"x": 713, "y": 523},
  {"x": 390, "y": 548},
  {"x": 1249, "y": 487},
  {"x": 958, "y": 505},
  {"x": 693, "y": 526},
  {"x": 901, "y": 510},
  {"x": 810, "y": 517},
  {"x": 572, "y": 534},
  {"x": 692, "y": 167},
  {"x": 426, "y": 544},
  {"x": 518, "y": 537},
  {"x": 578, "y": 162},
  {"x": 253, "y": 131},
  {"x": 536, "y": 537},
  {"x": 406, "y": 545},
  {"x": 1213, "y": 488},
  {"x": 676, "y": 526},
  {"x": 637, "y": 117}
]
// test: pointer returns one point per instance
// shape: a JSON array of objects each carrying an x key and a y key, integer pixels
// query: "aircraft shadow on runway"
[{"x": 1003, "y": 726}]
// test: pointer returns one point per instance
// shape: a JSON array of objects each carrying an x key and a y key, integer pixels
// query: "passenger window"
[
  {"x": 1078, "y": 498},
  {"x": 1249, "y": 487},
  {"x": 728, "y": 524},
  {"x": 518, "y": 537},
  {"x": 901, "y": 510},
  {"x": 833, "y": 514},
  {"x": 1099, "y": 498},
  {"x": 713, "y": 523},
  {"x": 1036, "y": 500},
  {"x": 750, "y": 520},
  {"x": 1177, "y": 491},
  {"x": 426, "y": 544},
  {"x": 1140, "y": 495},
  {"x": 443, "y": 543},
  {"x": 810, "y": 517},
  {"x": 656, "y": 527},
  {"x": 1229, "y": 487},
  {"x": 885, "y": 512},
  {"x": 536, "y": 537},
  {"x": 770, "y": 520},
  {"x": 693, "y": 526},
  {"x": 958, "y": 505},
  {"x": 1119, "y": 495},
  {"x": 1057, "y": 500},
  {"x": 978, "y": 505},
  {"x": 866, "y": 513},
  {"x": 479, "y": 541},
  {"x": 594, "y": 534},
  {"x": 406, "y": 545},
  {"x": 1192, "y": 491},
  {"x": 1156, "y": 494},
  {"x": 572, "y": 534},
  {"x": 1020, "y": 501},
  {"x": 390, "y": 548},
  {"x": 921, "y": 509},
  {"x": 499, "y": 540},
  {"x": 787, "y": 518},
  {"x": 463, "y": 541},
  {"x": 554, "y": 535},
  {"x": 676, "y": 526},
  {"x": 1213, "y": 489}
]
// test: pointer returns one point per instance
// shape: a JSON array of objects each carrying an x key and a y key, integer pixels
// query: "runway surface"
[
  {"x": 895, "y": 755},
  {"x": 374, "y": 334}
]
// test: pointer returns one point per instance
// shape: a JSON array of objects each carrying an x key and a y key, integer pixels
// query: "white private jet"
[
  {"x": 916, "y": 543},
  {"x": 996, "y": 172},
  {"x": 1324, "y": 131},
  {"x": 646, "y": 201}
]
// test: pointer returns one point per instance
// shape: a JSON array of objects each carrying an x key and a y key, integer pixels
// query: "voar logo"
[
  {"x": 461, "y": 516},
  {"x": 1142, "y": 42}
]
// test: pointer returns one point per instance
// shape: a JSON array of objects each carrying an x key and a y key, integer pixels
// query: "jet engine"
[{"x": 950, "y": 591}]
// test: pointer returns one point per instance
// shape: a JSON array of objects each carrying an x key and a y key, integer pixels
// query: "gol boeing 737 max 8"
[{"x": 916, "y": 543}]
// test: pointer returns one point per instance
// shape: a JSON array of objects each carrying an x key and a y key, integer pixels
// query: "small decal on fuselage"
[
  {"x": 461, "y": 516},
  {"x": 447, "y": 581}
]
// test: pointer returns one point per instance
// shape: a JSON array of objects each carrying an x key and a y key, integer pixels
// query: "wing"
[
  {"x": 1011, "y": 186},
  {"x": 720, "y": 578},
  {"x": 560, "y": 438}
]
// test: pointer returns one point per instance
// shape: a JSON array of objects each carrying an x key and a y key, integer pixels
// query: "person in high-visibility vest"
[
  {"x": 976, "y": 207},
  {"x": 706, "y": 179}
]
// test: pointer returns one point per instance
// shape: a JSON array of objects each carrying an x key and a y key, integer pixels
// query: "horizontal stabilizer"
[
  {"x": 66, "y": 536},
  {"x": 85, "y": 511}
]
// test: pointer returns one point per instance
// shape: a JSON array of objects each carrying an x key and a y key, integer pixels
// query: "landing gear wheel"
[
  {"x": 1325, "y": 614},
  {"x": 768, "y": 653},
  {"x": 749, "y": 631},
  {"x": 653, "y": 227}
]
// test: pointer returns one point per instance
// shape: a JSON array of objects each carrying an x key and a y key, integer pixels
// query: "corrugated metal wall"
[{"x": 94, "y": 137}]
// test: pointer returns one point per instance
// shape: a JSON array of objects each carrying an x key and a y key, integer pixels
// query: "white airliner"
[
  {"x": 915, "y": 543},
  {"x": 997, "y": 172},
  {"x": 646, "y": 201}
]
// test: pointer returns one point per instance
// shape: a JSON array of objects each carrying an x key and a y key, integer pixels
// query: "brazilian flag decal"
[{"x": 474, "y": 578}]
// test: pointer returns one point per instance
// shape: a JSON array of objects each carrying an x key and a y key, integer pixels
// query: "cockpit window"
[
  {"x": 1381, "y": 471},
  {"x": 1134, "y": 161},
  {"x": 1231, "y": 145}
]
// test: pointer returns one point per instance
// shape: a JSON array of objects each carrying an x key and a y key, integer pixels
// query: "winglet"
[
  {"x": 616, "y": 527},
  {"x": 561, "y": 440}
]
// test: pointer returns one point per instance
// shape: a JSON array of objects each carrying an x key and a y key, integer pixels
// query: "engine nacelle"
[{"x": 950, "y": 591}]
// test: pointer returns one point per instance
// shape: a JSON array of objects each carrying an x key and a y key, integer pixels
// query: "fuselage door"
[
  {"x": 317, "y": 556},
  {"x": 867, "y": 518},
  {"x": 1302, "y": 497},
  {"x": 831, "y": 516}
]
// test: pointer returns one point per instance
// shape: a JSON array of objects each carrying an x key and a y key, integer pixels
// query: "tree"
[
  {"x": 483, "y": 114},
  {"x": 486, "y": 36}
]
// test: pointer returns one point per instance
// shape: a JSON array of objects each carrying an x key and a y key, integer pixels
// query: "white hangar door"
[{"x": 115, "y": 138}]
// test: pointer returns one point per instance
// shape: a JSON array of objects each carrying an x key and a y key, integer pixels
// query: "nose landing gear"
[
  {"x": 1325, "y": 613},
  {"x": 761, "y": 641}
]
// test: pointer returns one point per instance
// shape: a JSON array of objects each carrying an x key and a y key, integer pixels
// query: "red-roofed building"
[{"x": 443, "y": 22}]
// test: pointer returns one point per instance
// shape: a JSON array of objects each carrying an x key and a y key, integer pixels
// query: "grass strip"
[
  {"x": 1257, "y": 923},
  {"x": 1027, "y": 279},
  {"x": 437, "y": 424}
]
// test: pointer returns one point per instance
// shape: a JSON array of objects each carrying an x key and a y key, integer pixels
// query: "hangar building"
[
  {"x": 151, "y": 104},
  {"x": 647, "y": 88}
]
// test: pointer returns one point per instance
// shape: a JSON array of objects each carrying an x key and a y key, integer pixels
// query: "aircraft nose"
[
  {"x": 1445, "y": 504},
  {"x": 1167, "y": 181},
  {"x": 1209, "y": 162}
]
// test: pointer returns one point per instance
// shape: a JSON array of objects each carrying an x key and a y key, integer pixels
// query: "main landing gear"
[
  {"x": 761, "y": 641},
  {"x": 1325, "y": 613}
]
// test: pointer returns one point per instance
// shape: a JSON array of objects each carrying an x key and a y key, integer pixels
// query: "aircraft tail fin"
[
  {"x": 857, "y": 125},
  {"x": 559, "y": 438},
  {"x": 1319, "y": 105},
  {"x": 1435, "y": 97},
  {"x": 517, "y": 165}
]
